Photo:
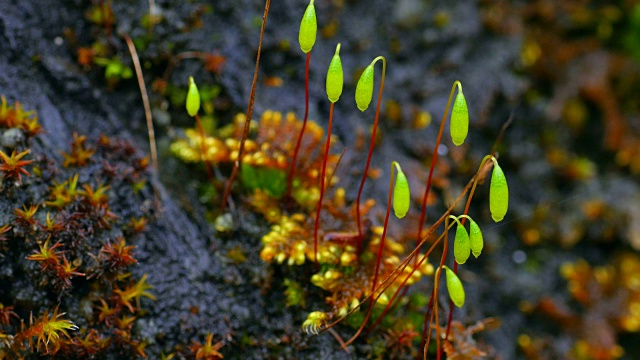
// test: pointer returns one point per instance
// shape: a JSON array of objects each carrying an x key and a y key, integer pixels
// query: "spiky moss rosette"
[{"x": 67, "y": 246}]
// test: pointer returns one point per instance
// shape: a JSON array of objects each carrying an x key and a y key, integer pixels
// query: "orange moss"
[
  {"x": 13, "y": 167},
  {"x": 48, "y": 332},
  {"x": 15, "y": 117},
  {"x": 208, "y": 350},
  {"x": 80, "y": 153},
  {"x": 272, "y": 145},
  {"x": 134, "y": 292}
]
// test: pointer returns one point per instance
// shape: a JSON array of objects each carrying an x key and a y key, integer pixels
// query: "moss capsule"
[
  {"x": 401, "y": 193},
  {"x": 193, "y": 98},
  {"x": 476, "y": 240},
  {"x": 335, "y": 77},
  {"x": 364, "y": 89},
  {"x": 308, "y": 28},
  {"x": 459, "y": 125},
  {"x": 498, "y": 193},
  {"x": 461, "y": 246},
  {"x": 455, "y": 288}
]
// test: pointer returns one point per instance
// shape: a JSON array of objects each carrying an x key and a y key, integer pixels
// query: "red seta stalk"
[
  {"x": 433, "y": 301},
  {"x": 372, "y": 301},
  {"x": 423, "y": 213},
  {"x": 371, "y": 145},
  {"x": 324, "y": 169},
  {"x": 398, "y": 271},
  {"x": 304, "y": 125},
  {"x": 203, "y": 145},
  {"x": 247, "y": 122},
  {"x": 434, "y": 159},
  {"x": 466, "y": 211}
]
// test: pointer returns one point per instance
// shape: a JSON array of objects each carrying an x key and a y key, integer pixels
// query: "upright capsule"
[
  {"x": 335, "y": 77},
  {"x": 459, "y": 125},
  {"x": 401, "y": 193},
  {"x": 308, "y": 29},
  {"x": 193, "y": 98},
  {"x": 364, "y": 88},
  {"x": 461, "y": 246},
  {"x": 455, "y": 288},
  {"x": 498, "y": 193},
  {"x": 475, "y": 238}
]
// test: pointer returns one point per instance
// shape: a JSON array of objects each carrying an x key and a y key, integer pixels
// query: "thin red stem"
[
  {"x": 372, "y": 301},
  {"x": 423, "y": 214},
  {"x": 205, "y": 151},
  {"x": 384, "y": 232},
  {"x": 434, "y": 159},
  {"x": 395, "y": 274},
  {"x": 247, "y": 122},
  {"x": 466, "y": 212},
  {"x": 324, "y": 169},
  {"x": 371, "y": 145},
  {"x": 304, "y": 125},
  {"x": 434, "y": 294}
]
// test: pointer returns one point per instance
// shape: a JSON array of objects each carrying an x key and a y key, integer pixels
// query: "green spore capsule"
[
  {"x": 459, "y": 125},
  {"x": 335, "y": 77},
  {"x": 401, "y": 193},
  {"x": 476, "y": 240},
  {"x": 308, "y": 29},
  {"x": 364, "y": 89},
  {"x": 455, "y": 288},
  {"x": 193, "y": 98},
  {"x": 461, "y": 245},
  {"x": 498, "y": 193}
]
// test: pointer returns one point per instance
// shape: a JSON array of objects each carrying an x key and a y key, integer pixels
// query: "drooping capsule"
[
  {"x": 498, "y": 193},
  {"x": 475, "y": 238},
  {"x": 308, "y": 29},
  {"x": 401, "y": 193},
  {"x": 335, "y": 77},
  {"x": 364, "y": 89},
  {"x": 461, "y": 246},
  {"x": 193, "y": 98},
  {"x": 455, "y": 288},
  {"x": 459, "y": 125}
]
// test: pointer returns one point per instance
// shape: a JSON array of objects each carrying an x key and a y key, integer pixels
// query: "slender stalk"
[
  {"x": 423, "y": 212},
  {"x": 426, "y": 334},
  {"x": 204, "y": 149},
  {"x": 463, "y": 216},
  {"x": 247, "y": 122},
  {"x": 145, "y": 100},
  {"x": 434, "y": 159},
  {"x": 371, "y": 145},
  {"x": 395, "y": 274},
  {"x": 304, "y": 125},
  {"x": 471, "y": 185},
  {"x": 466, "y": 208},
  {"x": 324, "y": 169},
  {"x": 379, "y": 256}
]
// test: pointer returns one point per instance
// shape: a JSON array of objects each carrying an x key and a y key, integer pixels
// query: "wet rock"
[{"x": 12, "y": 137}]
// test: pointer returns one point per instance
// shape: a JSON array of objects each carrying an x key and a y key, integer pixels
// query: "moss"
[{"x": 60, "y": 251}]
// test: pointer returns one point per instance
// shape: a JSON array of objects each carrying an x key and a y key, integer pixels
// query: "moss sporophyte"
[
  {"x": 306, "y": 38},
  {"x": 358, "y": 262},
  {"x": 363, "y": 96},
  {"x": 334, "y": 83}
]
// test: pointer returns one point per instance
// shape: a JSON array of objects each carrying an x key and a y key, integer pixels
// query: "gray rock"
[{"x": 12, "y": 137}]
